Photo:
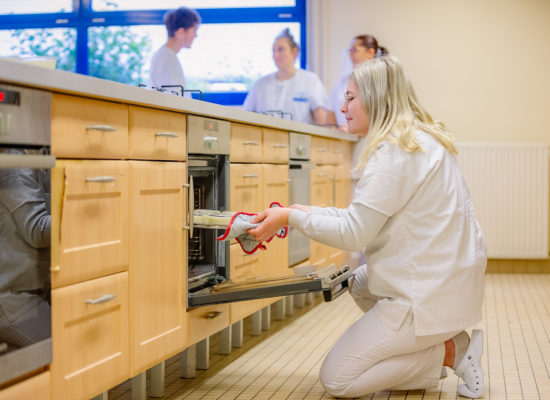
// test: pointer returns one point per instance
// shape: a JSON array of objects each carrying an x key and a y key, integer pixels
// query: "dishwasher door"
[{"x": 298, "y": 193}]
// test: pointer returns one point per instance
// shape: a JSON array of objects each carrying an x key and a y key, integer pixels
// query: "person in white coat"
[
  {"x": 181, "y": 27},
  {"x": 291, "y": 92},
  {"x": 411, "y": 211},
  {"x": 362, "y": 48}
]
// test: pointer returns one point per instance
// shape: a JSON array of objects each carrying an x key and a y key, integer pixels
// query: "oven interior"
[{"x": 208, "y": 259}]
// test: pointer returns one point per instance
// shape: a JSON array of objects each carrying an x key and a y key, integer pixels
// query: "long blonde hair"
[{"x": 394, "y": 112}]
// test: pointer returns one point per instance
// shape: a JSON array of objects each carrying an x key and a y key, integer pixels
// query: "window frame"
[{"x": 83, "y": 17}]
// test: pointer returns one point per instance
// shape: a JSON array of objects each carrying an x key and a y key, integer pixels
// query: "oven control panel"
[{"x": 208, "y": 135}]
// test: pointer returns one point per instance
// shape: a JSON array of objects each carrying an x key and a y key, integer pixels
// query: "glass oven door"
[
  {"x": 25, "y": 321},
  {"x": 331, "y": 281}
]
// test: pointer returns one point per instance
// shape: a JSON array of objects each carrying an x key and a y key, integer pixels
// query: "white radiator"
[{"x": 508, "y": 183}]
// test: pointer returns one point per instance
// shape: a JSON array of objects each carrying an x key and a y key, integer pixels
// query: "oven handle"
[
  {"x": 101, "y": 299},
  {"x": 33, "y": 161},
  {"x": 190, "y": 205}
]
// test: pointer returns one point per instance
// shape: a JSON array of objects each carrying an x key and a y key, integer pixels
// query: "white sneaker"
[{"x": 469, "y": 368}]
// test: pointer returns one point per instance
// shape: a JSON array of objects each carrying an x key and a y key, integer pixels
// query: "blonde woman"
[{"x": 411, "y": 212}]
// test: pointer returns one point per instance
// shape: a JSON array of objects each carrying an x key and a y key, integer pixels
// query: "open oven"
[{"x": 208, "y": 262}]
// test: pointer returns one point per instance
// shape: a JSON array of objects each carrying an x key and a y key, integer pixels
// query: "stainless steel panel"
[
  {"x": 27, "y": 120},
  {"x": 299, "y": 175},
  {"x": 207, "y": 135},
  {"x": 299, "y": 146}
]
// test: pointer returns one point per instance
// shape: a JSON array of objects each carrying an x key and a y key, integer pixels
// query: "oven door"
[
  {"x": 331, "y": 281},
  {"x": 25, "y": 318}
]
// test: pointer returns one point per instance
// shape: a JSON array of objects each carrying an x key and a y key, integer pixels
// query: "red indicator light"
[
  {"x": 210, "y": 125},
  {"x": 1, "y": 97}
]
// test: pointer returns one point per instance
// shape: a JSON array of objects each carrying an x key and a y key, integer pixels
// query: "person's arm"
[
  {"x": 320, "y": 116},
  {"x": 352, "y": 229}
]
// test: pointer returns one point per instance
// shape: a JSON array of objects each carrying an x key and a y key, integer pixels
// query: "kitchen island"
[{"x": 120, "y": 222}]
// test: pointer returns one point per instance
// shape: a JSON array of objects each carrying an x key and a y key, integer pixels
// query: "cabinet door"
[
  {"x": 89, "y": 220},
  {"x": 86, "y": 128},
  {"x": 319, "y": 150},
  {"x": 246, "y": 143},
  {"x": 28, "y": 389},
  {"x": 245, "y": 187},
  {"x": 321, "y": 186},
  {"x": 158, "y": 285},
  {"x": 274, "y": 260},
  {"x": 275, "y": 146},
  {"x": 156, "y": 134},
  {"x": 90, "y": 337}
]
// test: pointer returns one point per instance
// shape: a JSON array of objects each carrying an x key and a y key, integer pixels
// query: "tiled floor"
[{"x": 283, "y": 363}]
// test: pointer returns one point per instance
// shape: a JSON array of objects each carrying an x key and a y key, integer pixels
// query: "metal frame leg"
[
  {"x": 188, "y": 363},
  {"x": 280, "y": 308},
  {"x": 266, "y": 318},
  {"x": 157, "y": 380},
  {"x": 237, "y": 334},
  {"x": 203, "y": 353},
  {"x": 257, "y": 323},
  {"x": 226, "y": 341},
  {"x": 289, "y": 309},
  {"x": 138, "y": 387}
]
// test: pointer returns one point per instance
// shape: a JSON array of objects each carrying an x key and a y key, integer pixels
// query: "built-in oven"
[
  {"x": 25, "y": 163},
  {"x": 299, "y": 192},
  {"x": 208, "y": 262}
]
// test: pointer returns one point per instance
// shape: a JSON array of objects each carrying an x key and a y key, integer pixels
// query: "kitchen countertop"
[{"x": 82, "y": 85}]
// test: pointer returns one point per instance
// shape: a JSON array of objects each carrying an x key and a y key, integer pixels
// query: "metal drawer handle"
[
  {"x": 338, "y": 151},
  {"x": 102, "y": 128},
  {"x": 101, "y": 179},
  {"x": 321, "y": 175},
  {"x": 211, "y": 314},
  {"x": 251, "y": 176},
  {"x": 322, "y": 149},
  {"x": 167, "y": 134},
  {"x": 251, "y": 143},
  {"x": 101, "y": 299},
  {"x": 280, "y": 146}
]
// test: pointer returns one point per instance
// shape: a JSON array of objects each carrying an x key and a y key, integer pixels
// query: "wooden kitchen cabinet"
[
  {"x": 245, "y": 188},
  {"x": 156, "y": 134},
  {"x": 274, "y": 146},
  {"x": 90, "y": 337},
  {"x": 320, "y": 153},
  {"x": 88, "y": 128},
  {"x": 29, "y": 388},
  {"x": 275, "y": 188},
  {"x": 158, "y": 279},
  {"x": 89, "y": 220},
  {"x": 321, "y": 186},
  {"x": 246, "y": 143}
]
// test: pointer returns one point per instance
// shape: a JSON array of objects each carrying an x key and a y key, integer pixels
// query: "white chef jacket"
[
  {"x": 337, "y": 99},
  {"x": 166, "y": 69},
  {"x": 429, "y": 256},
  {"x": 299, "y": 95}
]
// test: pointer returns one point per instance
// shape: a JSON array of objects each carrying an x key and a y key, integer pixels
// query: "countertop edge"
[{"x": 16, "y": 73}]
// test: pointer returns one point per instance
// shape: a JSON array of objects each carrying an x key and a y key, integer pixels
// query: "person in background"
[
  {"x": 181, "y": 26},
  {"x": 363, "y": 48},
  {"x": 290, "y": 90},
  {"x": 423, "y": 281}
]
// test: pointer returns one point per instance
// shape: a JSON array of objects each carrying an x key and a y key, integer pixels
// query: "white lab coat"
[
  {"x": 429, "y": 256},
  {"x": 299, "y": 96}
]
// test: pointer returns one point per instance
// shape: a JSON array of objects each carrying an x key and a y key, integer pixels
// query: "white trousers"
[{"x": 371, "y": 356}]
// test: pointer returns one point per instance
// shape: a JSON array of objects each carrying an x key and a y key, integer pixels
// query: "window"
[{"x": 115, "y": 39}]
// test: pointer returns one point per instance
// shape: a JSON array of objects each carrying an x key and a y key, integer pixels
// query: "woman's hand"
[
  {"x": 301, "y": 207},
  {"x": 272, "y": 220}
]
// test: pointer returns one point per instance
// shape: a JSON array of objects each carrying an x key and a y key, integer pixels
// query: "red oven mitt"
[{"x": 238, "y": 226}]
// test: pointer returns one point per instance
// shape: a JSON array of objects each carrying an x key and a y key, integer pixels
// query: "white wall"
[{"x": 481, "y": 66}]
